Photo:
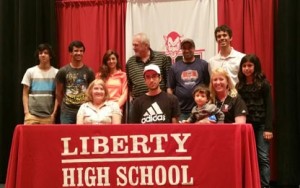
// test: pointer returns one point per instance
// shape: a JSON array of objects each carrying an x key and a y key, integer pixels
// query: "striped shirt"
[
  {"x": 41, "y": 90},
  {"x": 135, "y": 67}
]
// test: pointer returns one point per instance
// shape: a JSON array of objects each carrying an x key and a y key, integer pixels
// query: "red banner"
[{"x": 133, "y": 156}]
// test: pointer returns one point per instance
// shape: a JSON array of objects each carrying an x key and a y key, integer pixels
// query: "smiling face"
[
  {"x": 77, "y": 54},
  {"x": 219, "y": 83},
  {"x": 98, "y": 93},
  {"x": 112, "y": 62},
  {"x": 223, "y": 39},
  {"x": 188, "y": 51}
]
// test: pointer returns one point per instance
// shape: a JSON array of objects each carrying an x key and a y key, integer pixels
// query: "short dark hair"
[
  {"x": 202, "y": 89},
  {"x": 42, "y": 47},
  {"x": 77, "y": 44},
  {"x": 223, "y": 28}
]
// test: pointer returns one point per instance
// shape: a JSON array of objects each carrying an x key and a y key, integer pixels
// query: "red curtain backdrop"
[
  {"x": 252, "y": 24},
  {"x": 99, "y": 24}
]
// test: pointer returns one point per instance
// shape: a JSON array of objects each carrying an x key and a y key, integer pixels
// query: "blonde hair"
[
  {"x": 232, "y": 92},
  {"x": 88, "y": 94}
]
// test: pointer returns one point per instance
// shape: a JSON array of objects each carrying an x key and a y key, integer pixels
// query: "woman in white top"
[{"x": 98, "y": 109}]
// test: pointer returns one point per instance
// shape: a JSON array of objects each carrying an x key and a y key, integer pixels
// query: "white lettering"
[
  {"x": 185, "y": 175},
  {"x": 149, "y": 176},
  {"x": 87, "y": 177},
  {"x": 146, "y": 172},
  {"x": 174, "y": 180},
  {"x": 133, "y": 173},
  {"x": 160, "y": 175},
  {"x": 84, "y": 145},
  {"x": 181, "y": 142},
  {"x": 153, "y": 119},
  {"x": 68, "y": 174},
  {"x": 100, "y": 142},
  {"x": 139, "y": 140},
  {"x": 123, "y": 144},
  {"x": 119, "y": 146},
  {"x": 79, "y": 176},
  {"x": 103, "y": 176},
  {"x": 66, "y": 147},
  {"x": 121, "y": 171},
  {"x": 159, "y": 139}
]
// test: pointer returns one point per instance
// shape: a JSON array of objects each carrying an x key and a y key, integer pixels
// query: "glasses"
[{"x": 153, "y": 76}]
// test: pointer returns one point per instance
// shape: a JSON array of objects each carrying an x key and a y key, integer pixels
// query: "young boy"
[
  {"x": 204, "y": 112},
  {"x": 40, "y": 105}
]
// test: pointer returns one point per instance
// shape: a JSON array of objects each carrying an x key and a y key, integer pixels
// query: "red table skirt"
[{"x": 165, "y": 155}]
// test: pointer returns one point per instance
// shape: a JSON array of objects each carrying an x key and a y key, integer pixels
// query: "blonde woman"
[
  {"x": 226, "y": 98},
  {"x": 98, "y": 109}
]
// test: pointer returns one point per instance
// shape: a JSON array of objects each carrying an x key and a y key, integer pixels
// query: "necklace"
[{"x": 222, "y": 103}]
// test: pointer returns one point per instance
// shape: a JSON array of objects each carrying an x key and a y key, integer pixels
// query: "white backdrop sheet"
[{"x": 168, "y": 22}]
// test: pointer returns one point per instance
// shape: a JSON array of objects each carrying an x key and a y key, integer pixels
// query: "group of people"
[{"x": 229, "y": 88}]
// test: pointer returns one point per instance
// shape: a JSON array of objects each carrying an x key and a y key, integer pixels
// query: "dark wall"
[
  {"x": 287, "y": 92},
  {"x": 23, "y": 25}
]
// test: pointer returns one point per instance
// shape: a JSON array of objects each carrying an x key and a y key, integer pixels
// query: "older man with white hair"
[{"x": 144, "y": 56}]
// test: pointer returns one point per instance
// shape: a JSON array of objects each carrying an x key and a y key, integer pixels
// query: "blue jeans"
[
  {"x": 263, "y": 149},
  {"x": 68, "y": 115}
]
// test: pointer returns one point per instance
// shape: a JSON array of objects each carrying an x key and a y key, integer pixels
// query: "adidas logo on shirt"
[{"x": 153, "y": 114}]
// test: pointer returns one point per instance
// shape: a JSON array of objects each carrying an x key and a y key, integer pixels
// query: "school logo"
[
  {"x": 153, "y": 114},
  {"x": 172, "y": 44},
  {"x": 173, "y": 49}
]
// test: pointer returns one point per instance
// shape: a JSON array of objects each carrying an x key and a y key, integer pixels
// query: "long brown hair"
[{"x": 104, "y": 69}]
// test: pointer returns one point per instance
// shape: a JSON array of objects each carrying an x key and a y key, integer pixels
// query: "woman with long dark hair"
[
  {"x": 255, "y": 89},
  {"x": 115, "y": 79}
]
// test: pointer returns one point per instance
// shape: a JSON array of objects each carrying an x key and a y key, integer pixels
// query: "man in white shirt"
[{"x": 227, "y": 58}]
